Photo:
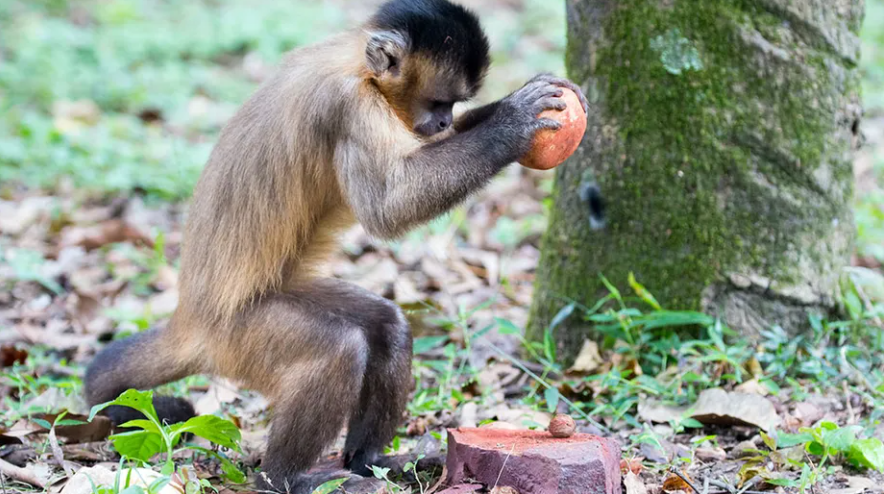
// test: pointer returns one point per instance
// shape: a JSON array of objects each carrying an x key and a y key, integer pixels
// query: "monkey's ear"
[{"x": 385, "y": 51}]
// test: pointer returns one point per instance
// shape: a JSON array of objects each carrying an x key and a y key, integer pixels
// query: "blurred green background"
[{"x": 114, "y": 96}]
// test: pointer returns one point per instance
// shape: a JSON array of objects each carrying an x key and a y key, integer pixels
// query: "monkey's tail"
[{"x": 142, "y": 361}]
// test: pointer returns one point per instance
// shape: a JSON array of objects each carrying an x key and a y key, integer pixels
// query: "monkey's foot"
[
  {"x": 170, "y": 410},
  {"x": 396, "y": 464}
]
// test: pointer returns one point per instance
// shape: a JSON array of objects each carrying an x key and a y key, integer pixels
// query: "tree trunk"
[{"x": 721, "y": 138}]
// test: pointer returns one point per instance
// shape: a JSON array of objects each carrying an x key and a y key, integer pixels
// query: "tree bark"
[{"x": 721, "y": 138}]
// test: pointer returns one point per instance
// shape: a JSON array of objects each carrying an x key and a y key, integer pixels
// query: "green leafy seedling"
[{"x": 153, "y": 437}]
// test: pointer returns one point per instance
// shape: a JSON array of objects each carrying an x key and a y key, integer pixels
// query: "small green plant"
[
  {"x": 330, "y": 486},
  {"x": 412, "y": 467},
  {"x": 829, "y": 441},
  {"x": 29, "y": 383},
  {"x": 153, "y": 437},
  {"x": 382, "y": 473}
]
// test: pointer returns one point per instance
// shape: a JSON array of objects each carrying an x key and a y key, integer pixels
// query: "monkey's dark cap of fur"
[{"x": 440, "y": 28}]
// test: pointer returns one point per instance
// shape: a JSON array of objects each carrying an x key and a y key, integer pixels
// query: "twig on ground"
[
  {"x": 723, "y": 485},
  {"x": 731, "y": 489},
  {"x": 439, "y": 482},
  {"x": 21, "y": 474},
  {"x": 685, "y": 479}
]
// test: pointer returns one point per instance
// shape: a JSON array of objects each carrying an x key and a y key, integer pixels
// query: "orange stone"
[{"x": 552, "y": 147}]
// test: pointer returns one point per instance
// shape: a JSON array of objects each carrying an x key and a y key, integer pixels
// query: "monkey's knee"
[{"x": 388, "y": 332}]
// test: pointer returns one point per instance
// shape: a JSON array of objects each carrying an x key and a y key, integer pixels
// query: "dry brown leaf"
[
  {"x": 501, "y": 489},
  {"x": 675, "y": 483},
  {"x": 634, "y": 484},
  {"x": 655, "y": 411},
  {"x": 752, "y": 386},
  {"x": 220, "y": 392},
  {"x": 709, "y": 454},
  {"x": 11, "y": 355},
  {"x": 83, "y": 481},
  {"x": 807, "y": 413},
  {"x": 717, "y": 406},
  {"x": 15, "y": 218},
  {"x": 97, "y": 430},
  {"x": 588, "y": 360},
  {"x": 855, "y": 485},
  {"x": 97, "y": 236}
]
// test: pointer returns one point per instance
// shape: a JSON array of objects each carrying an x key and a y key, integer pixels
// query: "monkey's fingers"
[
  {"x": 565, "y": 83},
  {"x": 547, "y": 123},
  {"x": 550, "y": 103}
]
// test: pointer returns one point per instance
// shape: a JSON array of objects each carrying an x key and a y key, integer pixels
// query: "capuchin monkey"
[{"x": 358, "y": 128}]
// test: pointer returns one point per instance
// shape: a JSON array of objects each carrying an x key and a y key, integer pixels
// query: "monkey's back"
[{"x": 267, "y": 205}]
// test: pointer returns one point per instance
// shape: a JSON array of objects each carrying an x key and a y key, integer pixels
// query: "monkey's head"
[{"x": 424, "y": 56}]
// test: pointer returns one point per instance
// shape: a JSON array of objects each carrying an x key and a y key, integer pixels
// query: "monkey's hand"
[
  {"x": 565, "y": 83},
  {"x": 516, "y": 116}
]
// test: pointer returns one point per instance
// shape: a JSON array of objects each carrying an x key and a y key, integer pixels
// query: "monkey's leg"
[
  {"x": 320, "y": 359},
  {"x": 142, "y": 361},
  {"x": 388, "y": 380}
]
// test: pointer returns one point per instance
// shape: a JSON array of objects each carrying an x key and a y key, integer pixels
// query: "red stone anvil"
[{"x": 534, "y": 462}]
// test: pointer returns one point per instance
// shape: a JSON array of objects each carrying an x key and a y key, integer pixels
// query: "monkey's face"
[
  {"x": 433, "y": 117},
  {"x": 436, "y": 88},
  {"x": 423, "y": 91}
]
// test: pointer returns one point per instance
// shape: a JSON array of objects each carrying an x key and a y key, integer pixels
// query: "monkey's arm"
[
  {"x": 391, "y": 193},
  {"x": 472, "y": 118}
]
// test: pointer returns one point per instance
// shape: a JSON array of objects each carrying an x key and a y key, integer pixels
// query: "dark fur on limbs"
[{"x": 370, "y": 344}]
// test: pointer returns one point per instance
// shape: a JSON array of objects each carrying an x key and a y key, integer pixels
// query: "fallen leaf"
[
  {"x": 855, "y": 485},
  {"x": 656, "y": 411},
  {"x": 717, "y": 406},
  {"x": 83, "y": 481},
  {"x": 97, "y": 236},
  {"x": 87, "y": 432},
  {"x": 711, "y": 454},
  {"x": 588, "y": 359},
  {"x": 675, "y": 483},
  {"x": 752, "y": 386},
  {"x": 807, "y": 413},
  {"x": 11, "y": 355},
  {"x": 220, "y": 392},
  {"x": 634, "y": 484},
  {"x": 15, "y": 218},
  {"x": 504, "y": 490}
]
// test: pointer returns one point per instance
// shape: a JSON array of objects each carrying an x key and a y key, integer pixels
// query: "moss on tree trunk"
[{"x": 721, "y": 138}]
